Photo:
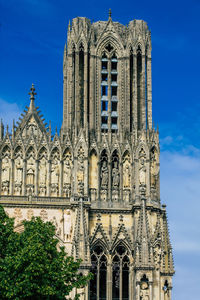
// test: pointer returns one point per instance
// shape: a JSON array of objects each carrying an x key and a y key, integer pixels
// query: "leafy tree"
[{"x": 32, "y": 265}]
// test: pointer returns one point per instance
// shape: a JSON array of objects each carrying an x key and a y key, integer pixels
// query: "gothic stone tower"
[{"x": 98, "y": 180}]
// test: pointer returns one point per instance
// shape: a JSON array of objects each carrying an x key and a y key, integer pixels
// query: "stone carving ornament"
[
  {"x": 142, "y": 167},
  {"x": 42, "y": 176},
  {"x": 67, "y": 225},
  {"x": 5, "y": 174},
  {"x": 115, "y": 175},
  {"x": 55, "y": 173},
  {"x": 144, "y": 291},
  {"x": 80, "y": 172},
  {"x": 67, "y": 174},
  {"x": 104, "y": 175},
  {"x": 126, "y": 172},
  {"x": 154, "y": 168}
]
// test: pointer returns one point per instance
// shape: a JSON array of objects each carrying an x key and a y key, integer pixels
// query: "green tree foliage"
[{"x": 32, "y": 265}]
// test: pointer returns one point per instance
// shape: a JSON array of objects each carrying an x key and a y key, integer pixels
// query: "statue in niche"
[
  {"x": 42, "y": 176},
  {"x": 157, "y": 256},
  {"x": 18, "y": 170},
  {"x": 67, "y": 175},
  {"x": 30, "y": 214},
  {"x": 126, "y": 173},
  {"x": 43, "y": 215},
  {"x": 30, "y": 171},
  {"x": 5, "y": 168},
  {"x": 67, "y": 225},
  {"x": 142, "y": 168},
  {"x": 54, "y": 172},
  {"x": 18, "y": 176},
  {"x": 43, "y": 171},
  {"x": 54, "y": 176},
  {"x": 17, "y": 216},
  {"x": 144, "y": 290},
  {"x": 104, "y": 175},
  {"x": 115, "y": 175},
  {"x": 154, "y": 169},
  {"x": 80, "y": 172}
]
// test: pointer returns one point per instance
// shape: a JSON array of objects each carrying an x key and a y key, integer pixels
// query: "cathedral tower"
[{"x": 99, "y": 180}]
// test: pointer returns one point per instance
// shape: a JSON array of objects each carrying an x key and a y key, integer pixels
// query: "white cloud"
[
  {"x": 180, "y": 190},
  {"x": 8, "y": 112}
]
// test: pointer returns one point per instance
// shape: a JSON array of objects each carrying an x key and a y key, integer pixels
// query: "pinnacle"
[{"x": 32, "y": 98}]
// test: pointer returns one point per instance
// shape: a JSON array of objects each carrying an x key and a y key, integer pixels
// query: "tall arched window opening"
[
  {"x": 139, "y": 87},
  {"x": 131, "y": 88},
  {"x": 120, "y": 274},
  {"x": 81, "y": 84},
  {"x": 109, "y": 91},
  {"x": 98, "y": 284}
]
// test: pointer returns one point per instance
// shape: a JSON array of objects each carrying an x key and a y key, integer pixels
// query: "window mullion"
[
  {"x": 109, "y": 94},
  {"x": 120, "y": 280}
]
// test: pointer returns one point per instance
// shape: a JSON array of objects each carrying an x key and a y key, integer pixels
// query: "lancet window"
[
  {"x": 109, "y": 90},
  {"x": 98, "y": 284},
  {"x": 120, "y": 274},
  {"x": 101, "y": 285}
]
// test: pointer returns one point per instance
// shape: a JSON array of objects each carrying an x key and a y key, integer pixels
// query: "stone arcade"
[{"x": 98, "y": 180}]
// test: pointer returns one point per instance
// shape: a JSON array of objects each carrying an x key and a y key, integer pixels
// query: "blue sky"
[{"x": 32, "y": 38}]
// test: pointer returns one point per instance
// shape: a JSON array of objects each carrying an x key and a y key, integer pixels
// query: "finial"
[
  {"x": 32, "y": 92},
  {"x": 32, "y": 98},
  {"x": 110, "y": 13}
]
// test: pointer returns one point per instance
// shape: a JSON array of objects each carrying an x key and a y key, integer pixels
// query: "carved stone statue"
[
  {"x": 6, "y": 169},
  {"x": 42, "y": 171},
  {"x": 144, "y": 291},
  {"x": 55, "y": 172},
  {"x": 67, "y": 170},
  {"x": 154, "y": 169},
  {"x": 67, "y": 225},
  {"x": 126, "y": 175},
  {"x": 115, "y": 175},
  {"x": 104, "y": 175},
  {"x": 30, "y": 171},
  {"x": 157, "y": 256},
  {"x": 18, "y": 170},
  {"x": 80, "y": 172},
  {"x": 142, "y": 168}
]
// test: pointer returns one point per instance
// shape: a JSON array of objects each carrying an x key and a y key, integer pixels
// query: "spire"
[
  {"x": 110, "y": 14},
  {"x": 1, "y": 130},
  {"x": 80, "y": 247},
  {"x": 167, "y": 262},
  {"x": 32, "y": 98},
  {"x": 143, "y": 235}
]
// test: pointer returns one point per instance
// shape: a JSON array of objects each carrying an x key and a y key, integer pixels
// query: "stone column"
[
  {"x": 36, "y": 177},
  {"x": 49, "y": 178},
  {"x": 61, "y": 179},
  {"x": 77, "y": 94},
  {"x": 109, "y": 180},
  {"x": 121, "y": 182},
  {"x": 24, "y": 177},
  {"x": 109, "y": 278},
  {"x": 151, "y": 291},
  {"x": 11, "y": 176},
  {"x": 99, "y": 181},
  {"x": 134, "y": 110},
  {"x": 143, "y": 92},
  {"x": 149, "y": 93},
  {"x": 86, "y": 90},
  {"x": 92, "y": 92}
]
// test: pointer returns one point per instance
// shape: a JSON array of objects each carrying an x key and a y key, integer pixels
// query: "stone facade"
[{"x": 98, "y": 181}]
